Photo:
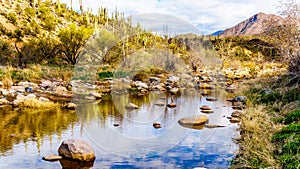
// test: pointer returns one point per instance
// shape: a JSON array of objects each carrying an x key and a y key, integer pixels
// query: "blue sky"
[{"x": 207, "y": 16}]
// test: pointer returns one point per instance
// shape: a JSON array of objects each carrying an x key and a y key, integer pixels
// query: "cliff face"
[{"x": 253, "y": 25}]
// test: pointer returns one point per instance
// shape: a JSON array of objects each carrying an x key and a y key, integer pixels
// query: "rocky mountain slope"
[{"x": 254, "y": 25}]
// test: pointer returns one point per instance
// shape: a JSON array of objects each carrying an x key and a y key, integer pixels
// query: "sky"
[{"x": 207, "y": 16}]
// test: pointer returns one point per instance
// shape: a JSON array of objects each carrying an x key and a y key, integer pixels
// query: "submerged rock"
[
  {"x": 213, "y": 125},
  {"x": 131, "y": 106},
  {"x": 207, "y": 111},
  {"x": 205, "y": 107},
  {"x": 211, "y": 98},
  {"x": 52, "y": 157},
  {"x": 193, "y": 120},
  {"x": 76, "y": 149}
]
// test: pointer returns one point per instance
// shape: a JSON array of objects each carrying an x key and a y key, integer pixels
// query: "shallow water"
[{"x": 28, "y": 135}]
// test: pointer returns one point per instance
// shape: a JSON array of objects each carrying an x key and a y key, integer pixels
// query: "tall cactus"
[{"x": 81, "y": 6}]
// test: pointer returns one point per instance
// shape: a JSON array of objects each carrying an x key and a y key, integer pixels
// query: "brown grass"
[
  {"x": 34, "y": 103},
  {"x": 256, "y": 148}
]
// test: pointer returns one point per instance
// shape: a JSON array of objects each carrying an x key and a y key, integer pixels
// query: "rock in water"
[
  {"x": 52, "y": 157},
  {"x": 193, "y": 120},
  {"x": 156, "y": 125},
  {"x": 171, "y": 105},
  {"x": 131, "y": 106},
  {"x": 211, "y": 99},
  {"x": 76, "y": 149},
  {"x": 205, "y": 107},
  {"x": 71, "y": 106}
]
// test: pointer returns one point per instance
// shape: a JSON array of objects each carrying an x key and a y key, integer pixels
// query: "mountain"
[
  {"x": 253, "y": 25},
  {"x": 217, "y": 33}
]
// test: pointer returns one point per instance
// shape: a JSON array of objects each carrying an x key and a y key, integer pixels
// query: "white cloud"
[{"x": 212, "y": 14}]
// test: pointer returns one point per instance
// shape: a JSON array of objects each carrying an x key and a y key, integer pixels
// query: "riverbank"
[{"x": 270, "y": 126}]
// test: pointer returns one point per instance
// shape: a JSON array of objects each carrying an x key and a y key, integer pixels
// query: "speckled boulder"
[{"x": 76, "y": 149}]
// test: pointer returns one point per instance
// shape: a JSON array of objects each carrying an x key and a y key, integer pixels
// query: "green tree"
[{"x": 72, "y": 40}]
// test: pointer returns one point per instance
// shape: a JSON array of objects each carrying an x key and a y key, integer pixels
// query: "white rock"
[
  {"x": 5, "y": 92},
  {"x": 3, "y": 101},
  {"x": 18, "y": 88},
  {"x": 46, "y": 83},
  {"x": 28, "y": 84},
  {"x": 59, "y": 89},
  {"x": 31, "y": 96},
  {"x": 44, "y": 99},
  {"x": 20, "y": 98},
  {"x": 173, "y": 79}
]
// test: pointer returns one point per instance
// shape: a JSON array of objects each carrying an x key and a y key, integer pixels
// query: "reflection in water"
[
  {"x": 27, "y": 135},
  {"x": 31, "y": 124}
]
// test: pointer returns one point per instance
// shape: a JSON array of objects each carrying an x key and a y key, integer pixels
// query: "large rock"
[
  {"x": 193, "y": 120},
  {"x": 76, "y": 149}
]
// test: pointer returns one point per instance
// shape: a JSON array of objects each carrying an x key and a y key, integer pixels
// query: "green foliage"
[
  {"x": 103, "y": 75},
  {"x": 12, "y": 17},
  {"x": 292, "y": 117},
  {"x": 5, "y": 52},
  {"x": 30, "y": 12},
  {"x": 288, "y": 140},
  {"x": 72, "y": 40}
]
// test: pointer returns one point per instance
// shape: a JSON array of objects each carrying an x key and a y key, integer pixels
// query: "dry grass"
[
  {"x": 256, "y": 147},
  {"x": 34, "y": 103}
]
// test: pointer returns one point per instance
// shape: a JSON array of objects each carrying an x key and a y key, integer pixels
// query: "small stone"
[
  {"x": 71, "y": 106},
  {"x": 211, "y": 99},
  {"x": 44, "y": 99},
  {"x": 234, "y": 120},
  {"x": 236, "y": 114},
  {"x": 160, "y": 104},
  {"x": 207, "y": 111},
  {"x": 116, "y": 124},
  {"x": 96, "y": 95},
  {"x": 3, "y": 101},
  {"x": 52, "y": 157},
  {"x": 131, "y": 106},
  {"x": 213, "y": 125},
  {"x": 156, "y": 125},
  {"x": 205, "y": 107},
  {"x": 171, "y": 105}
]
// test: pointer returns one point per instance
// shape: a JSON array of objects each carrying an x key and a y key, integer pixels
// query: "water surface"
[{"x": 27, "y": 135}]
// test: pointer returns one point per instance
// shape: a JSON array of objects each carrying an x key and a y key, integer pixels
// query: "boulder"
[
  {"x": 46, "y": 83},
  {"x": 76, "y": 149},
  {"x": 174, "y": 90},
  {"x": 193, "y": 120},
  {"x": 1, "y": 84},
  {"x": 131, "y": 106}
]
